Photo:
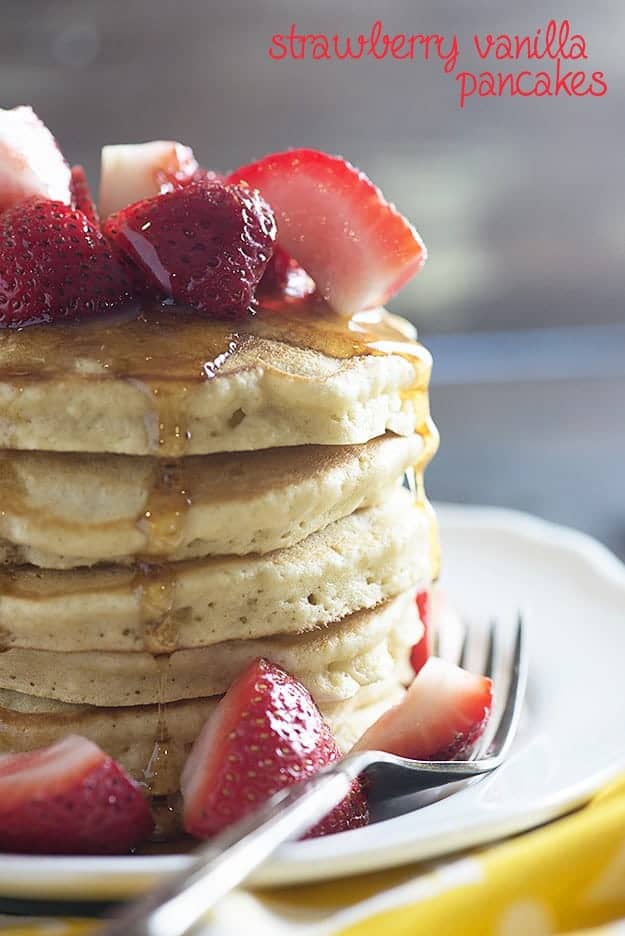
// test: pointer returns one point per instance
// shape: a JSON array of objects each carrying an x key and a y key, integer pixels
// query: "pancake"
[
  {"x": 151, "y": 744},
  {"x": 356, "y": 562},
  {"x": 66, "y": 510},
  {"x": 332, "y": 662},
  {"x": 170, "y": 383}
]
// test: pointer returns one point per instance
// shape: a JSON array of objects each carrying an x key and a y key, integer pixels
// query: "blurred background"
[{"x": 521, "y": 201}]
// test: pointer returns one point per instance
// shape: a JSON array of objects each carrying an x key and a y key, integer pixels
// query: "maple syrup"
[
  {"x": 160, "y": 752},
  {"x": 166, "y": 344}
]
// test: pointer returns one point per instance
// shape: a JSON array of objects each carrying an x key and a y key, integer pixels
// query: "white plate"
[{"x": 572, "y": 741}]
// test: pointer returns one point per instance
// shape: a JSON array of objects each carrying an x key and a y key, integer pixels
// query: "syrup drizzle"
[
  {"x": 160, "y": 751},
  {"x": 162, "y": 523},
  {"x": 168, "y": 345}
]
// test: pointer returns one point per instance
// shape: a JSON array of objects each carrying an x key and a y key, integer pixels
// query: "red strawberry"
[
  {"x": 55, "y": 264},
  {"x": 131, "y": 172},
  {"x": 69, "y": 799},
  {"x": 356, "y": 246},
  {"x": 421, "y": 651},
  {"x": 30, "y": 161},
  {"x": 81, "y": 195},
  {"x": 285, "y": 277},
  {"x": 266, "y": 734},
  {"x": 441, "y": 716},
  {"x": 205, "y": 244}
]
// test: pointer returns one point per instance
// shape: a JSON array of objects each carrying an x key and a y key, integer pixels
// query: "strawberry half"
[
  {"x": 69, "y": 799},
  {"x": 30, "y": 160},
  {"x": 205, "y": 244},
  {"x": 354, "y": 244},
  {"x": 55, "y": 264},
  {"x": 81, "y": 195},
  {"x": 441, "y": 717},
  {"x": 131, "y": 172},
  {"x": 266, "y": 734},
  {"x": 421, "y": 651}
]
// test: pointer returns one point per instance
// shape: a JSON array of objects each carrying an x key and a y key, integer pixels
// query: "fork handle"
[{"x": 219, "y": 865}]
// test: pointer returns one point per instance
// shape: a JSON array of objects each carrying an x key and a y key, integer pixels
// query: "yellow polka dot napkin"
[{"x": 566, "y": 877}]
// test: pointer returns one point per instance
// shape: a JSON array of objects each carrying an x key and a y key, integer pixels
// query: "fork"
[{"x": 219, "y": 865}]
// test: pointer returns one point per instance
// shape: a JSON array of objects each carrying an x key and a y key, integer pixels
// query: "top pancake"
[{"x": 165, "y": 382}]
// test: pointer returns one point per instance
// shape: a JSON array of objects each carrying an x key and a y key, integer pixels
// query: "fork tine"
[
  {"x": 506, "y": 729},
  {"x": 489, "y": 665}
]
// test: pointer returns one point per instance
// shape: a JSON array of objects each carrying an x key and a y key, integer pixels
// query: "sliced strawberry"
[
  {"x": 355, "y": 245},
  {"x": 421, "y": 651},
  {"x": 81, "y": 195},
  {"x": 205, "y": 244},
  {"x": 132, "y": 172},
  {"x": 441, "y": 716},
  {"x": 55, "y": 264},
  {"x": 30, "y": 161},
  {"x": 285, "y": 277},
  {"x": 266, "y": 734},
  {"x": 69, "y": 799}
]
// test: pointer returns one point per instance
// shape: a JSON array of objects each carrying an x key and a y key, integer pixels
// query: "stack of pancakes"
[{"x": 179, "y": 497}]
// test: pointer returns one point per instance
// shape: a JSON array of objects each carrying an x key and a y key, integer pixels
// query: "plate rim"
[{"x": 117, "y": 877}]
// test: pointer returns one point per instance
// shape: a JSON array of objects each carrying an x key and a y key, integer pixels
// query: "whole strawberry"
[
  {"x": 205, "y": 245},
  {"x": 265, "y": 735},
  {"x": 55, "y": 264}
]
